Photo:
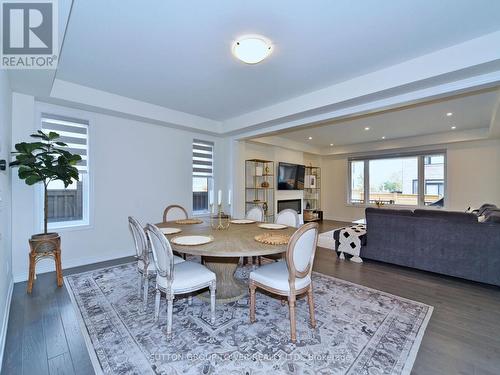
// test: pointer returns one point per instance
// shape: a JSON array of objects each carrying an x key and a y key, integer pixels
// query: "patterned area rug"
[{"x": 359, "y": 330}]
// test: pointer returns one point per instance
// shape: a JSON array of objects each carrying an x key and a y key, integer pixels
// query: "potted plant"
[{"x": 44, "y": 161}]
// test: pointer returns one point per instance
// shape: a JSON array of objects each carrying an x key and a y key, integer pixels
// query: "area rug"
[{"x": 359, "y": 330}]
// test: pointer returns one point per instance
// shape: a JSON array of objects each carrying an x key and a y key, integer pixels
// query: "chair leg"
[
  {"x": 170, "y": 307},
  {"x": 212, "y": 301},
  {"x": 291, "y": 305},
  {"x": 310, "y": 299},
  {"x": 157, "y": 304},
  {"x": 140, "y": 282},
  {"x": 252, "y": 302},
  {"x": 145, "y": 291},
  {"x": 31, "y": 277}
]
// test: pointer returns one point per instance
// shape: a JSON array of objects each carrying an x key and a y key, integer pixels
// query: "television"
[{"x": 290, "y": 176}]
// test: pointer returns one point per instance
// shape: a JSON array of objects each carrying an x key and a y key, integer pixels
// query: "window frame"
[
  {"x": 88, "y": 183},
  {"x": 210, "y": 179},
  {"x": 421, "y": 177}
]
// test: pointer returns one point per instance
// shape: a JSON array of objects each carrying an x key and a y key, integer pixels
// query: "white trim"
[
  {"x": 48, "y": 264},
  {"x": 5, "y": 322}
]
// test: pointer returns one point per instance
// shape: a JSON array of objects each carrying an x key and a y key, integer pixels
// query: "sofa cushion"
[
  {"x": 388, "y": 211},
  {"x": 492, "y": 216},
  {"x": 452, "y": 216}
]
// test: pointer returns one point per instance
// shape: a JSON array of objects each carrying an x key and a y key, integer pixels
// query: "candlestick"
[
  {"x": 219, "y": 201},
  {"x": 229, "y": 197}
]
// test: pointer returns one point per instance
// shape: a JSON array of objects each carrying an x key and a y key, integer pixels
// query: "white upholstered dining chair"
[
  {"x": 145, "y": 264},
  {"x": 288, "y": 217},
  {"x": 291, "y": 277},
  {"x": 255, "y": 213},
  {"x": 174, "y": 212},
  {"x": 176, "y": 278}
]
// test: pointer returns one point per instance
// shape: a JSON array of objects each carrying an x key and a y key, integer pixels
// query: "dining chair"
[
  {"x": 255, "y": 213},
  {"x": 174, "y": 212},
  {"x": 177, "y": 278},
  {"x": 288, "y": 217},
  {"x": 291, "y": 277},
  {"x": 145, "y": 264}
]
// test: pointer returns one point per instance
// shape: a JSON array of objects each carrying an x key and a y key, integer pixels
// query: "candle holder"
[{"x": 219, "y": 221}]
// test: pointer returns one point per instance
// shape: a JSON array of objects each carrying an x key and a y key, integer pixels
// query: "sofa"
[{"x": 445, "y": 242}]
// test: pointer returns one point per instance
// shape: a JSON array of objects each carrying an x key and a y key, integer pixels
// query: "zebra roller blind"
[
  {"x": 73, "y": 132},
  {"x": 203, "y": 154}
]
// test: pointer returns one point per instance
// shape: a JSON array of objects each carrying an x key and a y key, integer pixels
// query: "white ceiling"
[
  {"x": 469, "y": 112},
  {"x": 177, "y": 54}
]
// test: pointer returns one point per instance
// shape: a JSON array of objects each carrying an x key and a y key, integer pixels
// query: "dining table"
[{"x": 222, "y": 255}]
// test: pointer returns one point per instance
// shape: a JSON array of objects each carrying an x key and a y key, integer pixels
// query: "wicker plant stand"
[{"x": 44, "y": 246}]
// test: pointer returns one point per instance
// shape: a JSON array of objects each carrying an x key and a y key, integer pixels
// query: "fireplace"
[{"x": 294, "y": 204}]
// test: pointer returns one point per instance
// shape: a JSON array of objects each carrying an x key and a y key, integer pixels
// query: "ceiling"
[
  {"x": 176, "y": 54},
  {"x": 472, "y": 111}
]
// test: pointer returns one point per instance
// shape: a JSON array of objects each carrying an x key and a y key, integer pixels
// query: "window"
[
  {"x": 407, "y": 180},
  {"x": 69, "y": 206},
  {"x": 203, "y": 152}
]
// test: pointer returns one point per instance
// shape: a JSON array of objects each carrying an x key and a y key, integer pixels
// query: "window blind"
[
  {"x": 203, "y": 153},
  {"x": 73, "y": 132}
]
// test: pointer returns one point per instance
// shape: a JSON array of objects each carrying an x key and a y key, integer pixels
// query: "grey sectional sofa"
[{"x": 445, "y": 242}]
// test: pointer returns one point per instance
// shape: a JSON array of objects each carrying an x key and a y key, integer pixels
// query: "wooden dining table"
[{"x": 222, "y": 255}]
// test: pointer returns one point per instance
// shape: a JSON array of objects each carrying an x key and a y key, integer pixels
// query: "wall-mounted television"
[{"x": 290, "y": 176}]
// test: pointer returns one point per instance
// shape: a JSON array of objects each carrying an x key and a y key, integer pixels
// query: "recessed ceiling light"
[
  {"x": 310, "y": 138},
  {"x": 331, "y": 144},
  {"x": 252, "y": 49},
  {"x": 383, "y": 137},
  {"x": 367, "y": 128},
  {"x": 449, "y": 114},
  {"x": 453, "y": 127}
]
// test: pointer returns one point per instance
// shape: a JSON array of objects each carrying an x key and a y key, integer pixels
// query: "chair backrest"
[
  {"x": 255, "y": 213},
  {"x": 162, "y": 252},
  {"x": 139, "y": 236},
  {"x": 300, "y": 252},
  {"x": 174, "y": 212},
  {"x": 288, "y": 217}
]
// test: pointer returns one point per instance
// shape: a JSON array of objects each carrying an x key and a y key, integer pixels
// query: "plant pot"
[{"x": 44, "y": 242}]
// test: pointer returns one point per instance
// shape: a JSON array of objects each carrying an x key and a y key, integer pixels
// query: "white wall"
[
  {"x": 137, "y": 169},
  {"x": 5, "y": 209},
  {"x": 473, "y": 177}
]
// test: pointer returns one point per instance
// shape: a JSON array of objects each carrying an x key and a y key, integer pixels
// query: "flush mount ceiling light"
[
  {"x": 449, "y": 114},
  {"x": 453, "y": 127},
  {"x": 367, "y": 128},
  {"x": 309, "y": 138},
  {"x": 252, "y": 49}
]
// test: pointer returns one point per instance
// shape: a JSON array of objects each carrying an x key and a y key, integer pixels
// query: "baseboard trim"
[
  {"x": 5, "y": 322},
  {"x": 49, "y": 266}
]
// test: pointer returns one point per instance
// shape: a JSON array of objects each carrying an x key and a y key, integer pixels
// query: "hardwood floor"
[{"x": 463, "y": 336}]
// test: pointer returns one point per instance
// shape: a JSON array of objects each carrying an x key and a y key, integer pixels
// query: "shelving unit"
[
  {"x": 312, "y": 194},
  {"x": 260, "y": 172}
]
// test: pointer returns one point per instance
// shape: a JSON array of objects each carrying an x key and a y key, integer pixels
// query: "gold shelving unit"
[
  {"x": 312, "y": 194},
  {"x": 259, "y": 186}
]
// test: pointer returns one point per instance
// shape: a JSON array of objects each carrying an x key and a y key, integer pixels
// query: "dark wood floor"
[{"x": 463, "y": 336}]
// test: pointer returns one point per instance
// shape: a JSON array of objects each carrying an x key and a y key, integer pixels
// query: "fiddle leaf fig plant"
[{"x": 44, "y": 161}]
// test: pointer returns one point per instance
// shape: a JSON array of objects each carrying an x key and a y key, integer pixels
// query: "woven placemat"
[
  {"x": 189, "y": 221},
  {"x": 272, "y": 238}
]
